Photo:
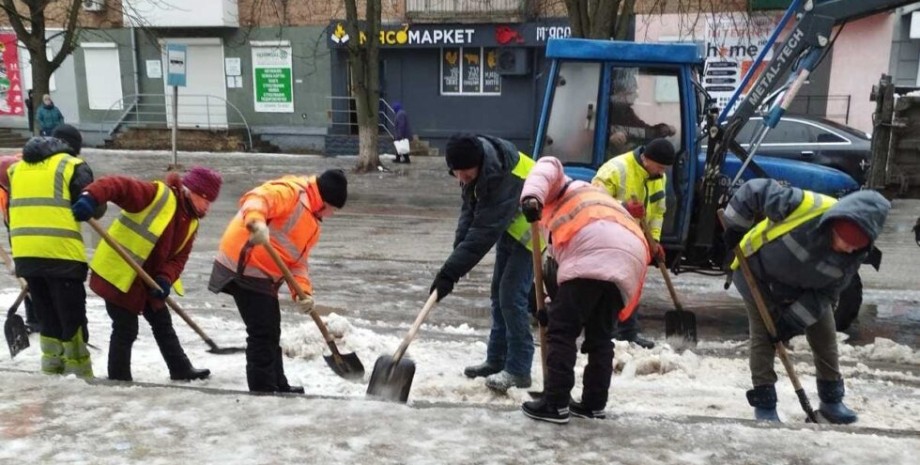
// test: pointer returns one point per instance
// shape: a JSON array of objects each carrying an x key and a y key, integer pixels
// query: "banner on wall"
[
  {"x": 271, "y": 78},
  {"x": 11, "y": 103},
  {"x": 732, "y": 45}
]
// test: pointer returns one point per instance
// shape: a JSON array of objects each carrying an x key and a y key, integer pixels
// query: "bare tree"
[
  {"x": 363, "y": 59},
  {"x": 30, "y": 19},
  {"x": 600, "y": 19}
]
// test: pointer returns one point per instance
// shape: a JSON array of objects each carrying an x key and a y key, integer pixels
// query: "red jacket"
[{"x": 165, "y": 260}]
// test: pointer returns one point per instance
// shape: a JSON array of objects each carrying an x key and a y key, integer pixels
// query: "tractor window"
[
  {"x": 570, "y": 129},
  {"x": 644, "y": 105}
]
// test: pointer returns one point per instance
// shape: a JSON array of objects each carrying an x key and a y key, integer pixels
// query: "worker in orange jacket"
[{"x": 284, "y": 214}]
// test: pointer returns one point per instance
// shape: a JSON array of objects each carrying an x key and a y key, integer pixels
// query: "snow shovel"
[
  {"x": 17, "y": 336},
  {"x": 347, "y": 366},
  {"x": 214, "y": 348},
  {"x": 392, "y": 376},
  {"x": 679, "y": 322},
  {"x": 771, "y": 329},
  {"x": 541, "y": 297}
]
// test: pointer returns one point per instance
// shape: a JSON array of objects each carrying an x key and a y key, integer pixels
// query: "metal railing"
[
  {"x": 151, "y": 111},
  {"x": 343, "y": 112},
  {"x": 464, "y": 6}
]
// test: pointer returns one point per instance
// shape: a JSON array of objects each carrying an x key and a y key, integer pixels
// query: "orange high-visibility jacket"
[{"x": 287, "y": 206}]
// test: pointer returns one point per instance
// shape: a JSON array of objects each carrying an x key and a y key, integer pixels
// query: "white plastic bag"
[{"x": 402, "y": 146}]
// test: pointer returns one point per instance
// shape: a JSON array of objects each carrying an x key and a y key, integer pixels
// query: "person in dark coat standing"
[
  {"x": 802, "y": 255},
  {"x": 49, "y": 116},
  {"x": 48, "y": 248},
  {"x": 491, "y": 172},
  {"x": 403, "y": 134},
  {"x": 30, "y": 111},
  {"x": 168, "y": 214}
]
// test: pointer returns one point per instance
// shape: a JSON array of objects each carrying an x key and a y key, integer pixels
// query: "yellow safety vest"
[
  {"x": 138, "y": 234},
  {"x": 812, "y": 206},
  {"x": 624, "y": 178},
  {"x": 41, "y": 222},
  {"x": 520, "y": 228}
]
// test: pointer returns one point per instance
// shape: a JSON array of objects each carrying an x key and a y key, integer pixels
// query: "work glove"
[
  {"x": 786, "y": 326},
  {"x": 443, "y": 285},
  {"x": 258, "y": 232},
  {"x": 84, "y": 207},
  {"x": 532, "y": 209},
  {"x": 164, "y": 286},
  {"x": 732, "y": 237},
  {"x": 635, "y": 208},
  {"x": 658, "y": 252},
  {"x": 305, "y": 304},
  {"x": 542, "y": 315}
]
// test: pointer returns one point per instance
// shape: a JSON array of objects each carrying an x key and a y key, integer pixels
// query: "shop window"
[{"x": 470, "y": 71}]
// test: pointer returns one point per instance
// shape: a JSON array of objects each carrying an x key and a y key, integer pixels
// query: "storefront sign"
[
  {"x": 271, "y": 77},
  {"x": 10, "y": 80},
  {"x": 440, "y": 35},
  {"x": 732, "y": 44}
]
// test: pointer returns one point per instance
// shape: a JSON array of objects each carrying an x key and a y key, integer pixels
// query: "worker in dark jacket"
[
  {"x": 403, "y": 133},
  {"x": 802, "y": 255},
  {"x": 491, "y": 172},
  {"x": 158, "y": 224},
  {"x": 48, "y": 246}
]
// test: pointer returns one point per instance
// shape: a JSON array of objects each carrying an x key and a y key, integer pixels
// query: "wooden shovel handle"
[
  {"x": 422, "y": 316},
  {"x": 289, "y": 278},
  {"x": 661, "y": 266},
  {"x": 537, "y": 255},
  {"x": 147, "y": 279}
]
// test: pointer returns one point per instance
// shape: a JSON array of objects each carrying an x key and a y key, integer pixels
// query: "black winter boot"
[
  {"x": 763, "y": 399},
  {"x": 832, "y": 408},
  {"x": 483, "y": 369},
  {"x": 543, "y": 411},
  {"x": 577, "y": 409},
  {"x": 120, "y": 360}
]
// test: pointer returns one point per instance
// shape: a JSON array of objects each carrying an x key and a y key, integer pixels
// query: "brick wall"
[
  {"x": 56, "y": 14},
  {"x": 308, "y": 12}
]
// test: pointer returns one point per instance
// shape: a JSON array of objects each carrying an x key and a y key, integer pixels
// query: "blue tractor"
[{"x": 607, "y": 97}]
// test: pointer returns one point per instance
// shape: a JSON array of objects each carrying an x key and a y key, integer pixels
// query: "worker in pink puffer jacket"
[{"x": 603, "y": 256}]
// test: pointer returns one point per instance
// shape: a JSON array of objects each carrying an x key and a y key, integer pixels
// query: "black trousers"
[
  {"x": 591, "y": 306},
  {"x": 264, "y": 361},
  {"x": 124, "y": 333},
  {"x": 60, "y": 305}
]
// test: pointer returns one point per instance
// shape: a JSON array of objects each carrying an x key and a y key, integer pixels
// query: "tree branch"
[{"x": 70, "y": 35}]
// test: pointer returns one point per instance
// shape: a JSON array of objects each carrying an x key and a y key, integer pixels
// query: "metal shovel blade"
[
  {"x": 391, "y": 380},
  {"x": 17, "y": 335},
  {"x": 347, "y": 366},
  {"x": 680, "y": 324}
]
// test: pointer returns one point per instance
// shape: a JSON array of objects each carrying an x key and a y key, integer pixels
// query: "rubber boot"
[
  {"x": 76, "y": 356},
  {"x": 52, "y": 355},
  {"x": 483, "y": 369},
  {"x": 832, "y": 408},
  {"x": 763, "y": 399}
]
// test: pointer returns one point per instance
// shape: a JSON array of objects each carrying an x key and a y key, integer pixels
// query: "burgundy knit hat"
[
  {"x": 203, "y": 181},
  {"x": 851, "y": 233}
]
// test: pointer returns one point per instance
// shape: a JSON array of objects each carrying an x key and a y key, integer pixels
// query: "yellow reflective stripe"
[{"x": 812, "y": 206}]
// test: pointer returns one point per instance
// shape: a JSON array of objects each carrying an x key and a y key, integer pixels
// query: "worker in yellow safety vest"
[
  {"x": 491, "y": 172},
  {"x": 47, "y": 245},
  {"x": 638, "y": 179}
]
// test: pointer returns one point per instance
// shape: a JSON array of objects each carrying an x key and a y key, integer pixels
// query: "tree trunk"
[
  {"x": 41, "y": 76},
  {"x": 364, "y": 61}
]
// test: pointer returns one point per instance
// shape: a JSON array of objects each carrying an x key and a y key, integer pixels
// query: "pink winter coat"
[{"x": 602, "y": 250}]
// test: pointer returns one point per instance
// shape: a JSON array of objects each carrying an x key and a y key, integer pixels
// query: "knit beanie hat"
[
  {"x": 333, "y": 187},
  {"x": 660, "y": 151},
  {"x": 70, "y": 136},
  {"x": 464, "y": 151},
  {"x": 850, "y": 232},
  {"x": 203, "y": 181}
]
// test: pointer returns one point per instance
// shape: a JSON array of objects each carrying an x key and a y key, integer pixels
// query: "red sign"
[
  {"x": 505, "y": 35},
  {"x": 10, "y": 81}
]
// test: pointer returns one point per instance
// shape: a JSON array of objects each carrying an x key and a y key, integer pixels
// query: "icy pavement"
[{"x": 372, "y": 269}]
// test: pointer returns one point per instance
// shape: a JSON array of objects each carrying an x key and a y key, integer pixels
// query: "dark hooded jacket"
[
  {"x": 490, "y": 204},
  {"x": 36, "y": 150},
  {"x": 799, "y": 273}
]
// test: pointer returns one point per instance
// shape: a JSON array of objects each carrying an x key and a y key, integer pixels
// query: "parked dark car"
[{"x": 814, "y": 140}]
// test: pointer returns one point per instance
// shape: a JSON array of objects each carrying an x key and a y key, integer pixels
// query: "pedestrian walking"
[
  {"x": 47, "y": 245},
  {"x": 285, "y": 214},
  {"x": 803, "y": 253},
  {"x": 157, "y": 225},
  {"x": 49, "y": 116},
  {"x": 602, "y": 258},
  {"x": 403, "y": 134},
  {"x": 638, "y": 179},
  {"x": 491, "y": 173}
]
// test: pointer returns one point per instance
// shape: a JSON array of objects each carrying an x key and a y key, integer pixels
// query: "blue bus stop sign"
[{"x": 176, "y": 55}]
